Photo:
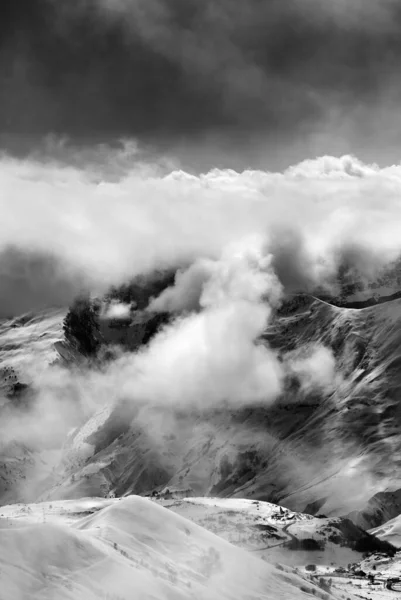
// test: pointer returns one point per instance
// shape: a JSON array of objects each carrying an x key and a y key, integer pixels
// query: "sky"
[
  {"x": 143, "y": 134},
  {"x": 217, "y": 83},
  {"x": 254, "y": 146}
]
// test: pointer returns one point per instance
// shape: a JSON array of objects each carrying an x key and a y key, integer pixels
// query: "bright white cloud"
[
  {"x": 116, "y": 310},
  {"x": 213, "y": 356},
  {"x": 314, "y": 366},
  {"x": 107, "y": 224},
  {"x": 186, "y": 293}
]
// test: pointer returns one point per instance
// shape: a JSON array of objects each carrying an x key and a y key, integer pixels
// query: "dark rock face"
[
  {"x": 88, "y": 334},
  {"x": 135, "y": 332}
]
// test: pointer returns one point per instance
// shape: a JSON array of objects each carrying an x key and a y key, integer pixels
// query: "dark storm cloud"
[{"x": 159, "y": 69}]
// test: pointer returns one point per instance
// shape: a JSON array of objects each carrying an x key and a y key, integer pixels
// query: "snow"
[
  {"x": 390, "y": 531},
  {"x": 266, "y": 510},
  {"x": 27, "y": 342},
  {"x": 119, "y": 549},
  {"x": 264, "y": 528}
]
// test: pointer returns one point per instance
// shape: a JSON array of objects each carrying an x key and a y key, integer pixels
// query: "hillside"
[
  {"x": 277, "y": 534},
  {"x": 379, "y": 509},
  {"x": 96, "y": 549},
  {"x": 27, "y": 348},
  {"x": 306, "y": 448},
  {"x": 265, "y": 453},
  {"x": 296, "y": 481}
]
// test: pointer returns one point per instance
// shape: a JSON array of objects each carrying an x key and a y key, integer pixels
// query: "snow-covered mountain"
[
  {"x": 302, "y": 451},
  {"x": 114, "y": 549},
  {"x": 296, "y": 481},
  {"x": 278, "y": 534}
]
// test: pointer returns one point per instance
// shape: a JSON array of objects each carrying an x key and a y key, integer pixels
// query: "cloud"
[
  {"x": 200, "y": 361},
  {"x": 332, "y": 167},
  {"x": 209, "y": 357},
  {"x": 91, "y": 226},
  {"x": 190, "y": 74},
  {"x": 239, "y": 239},
  {"x": 58, "y": 400},
  {"x": 206, "y": 282},
  {"x": 314, "y": 366},
  {"x": 187, "y": 290},
  {"x": 213, "y": 356},
  {"x": 116, "y": 310}
]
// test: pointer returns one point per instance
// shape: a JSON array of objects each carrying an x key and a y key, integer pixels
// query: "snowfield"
[
  {"x": 390, "y": 531},
  {"x": 119, "y": 549},
  {"x": 268, "y": 530}
]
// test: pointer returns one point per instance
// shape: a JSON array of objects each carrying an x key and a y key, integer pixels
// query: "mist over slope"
[
  {"x": 329, "y": 428},
  {"x": 219, "y": 381},
  {"x": 336, "y": 366}
]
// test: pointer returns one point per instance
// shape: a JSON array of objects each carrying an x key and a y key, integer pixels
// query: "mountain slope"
[
  {"x": 390, "y": 531},
  {"x": 27, "y": 347},
  {"x": 278, "y": 534},
  {"x": 110, "y": 549},
  {"x": 311, "y": 445},
  {"x": 330, "y": 446},
  {"x": 379, "y": 509}
]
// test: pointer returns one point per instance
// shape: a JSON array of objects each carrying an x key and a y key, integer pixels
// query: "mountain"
[
  {"x": 278, "y": 534},
  {"x": 379, "y": 509},
  {"x": 390, "y": 531},
  {"x": 289, "y": 481},
  {"x": 27, "y": 347},
  {"x": 92, "y": 549},
  {"x": 307, "y": 447}
]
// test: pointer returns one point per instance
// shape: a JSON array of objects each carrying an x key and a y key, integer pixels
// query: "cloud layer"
[
  {"x": 65, "y": 228},
  {"x": 180, "y": 72}
]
